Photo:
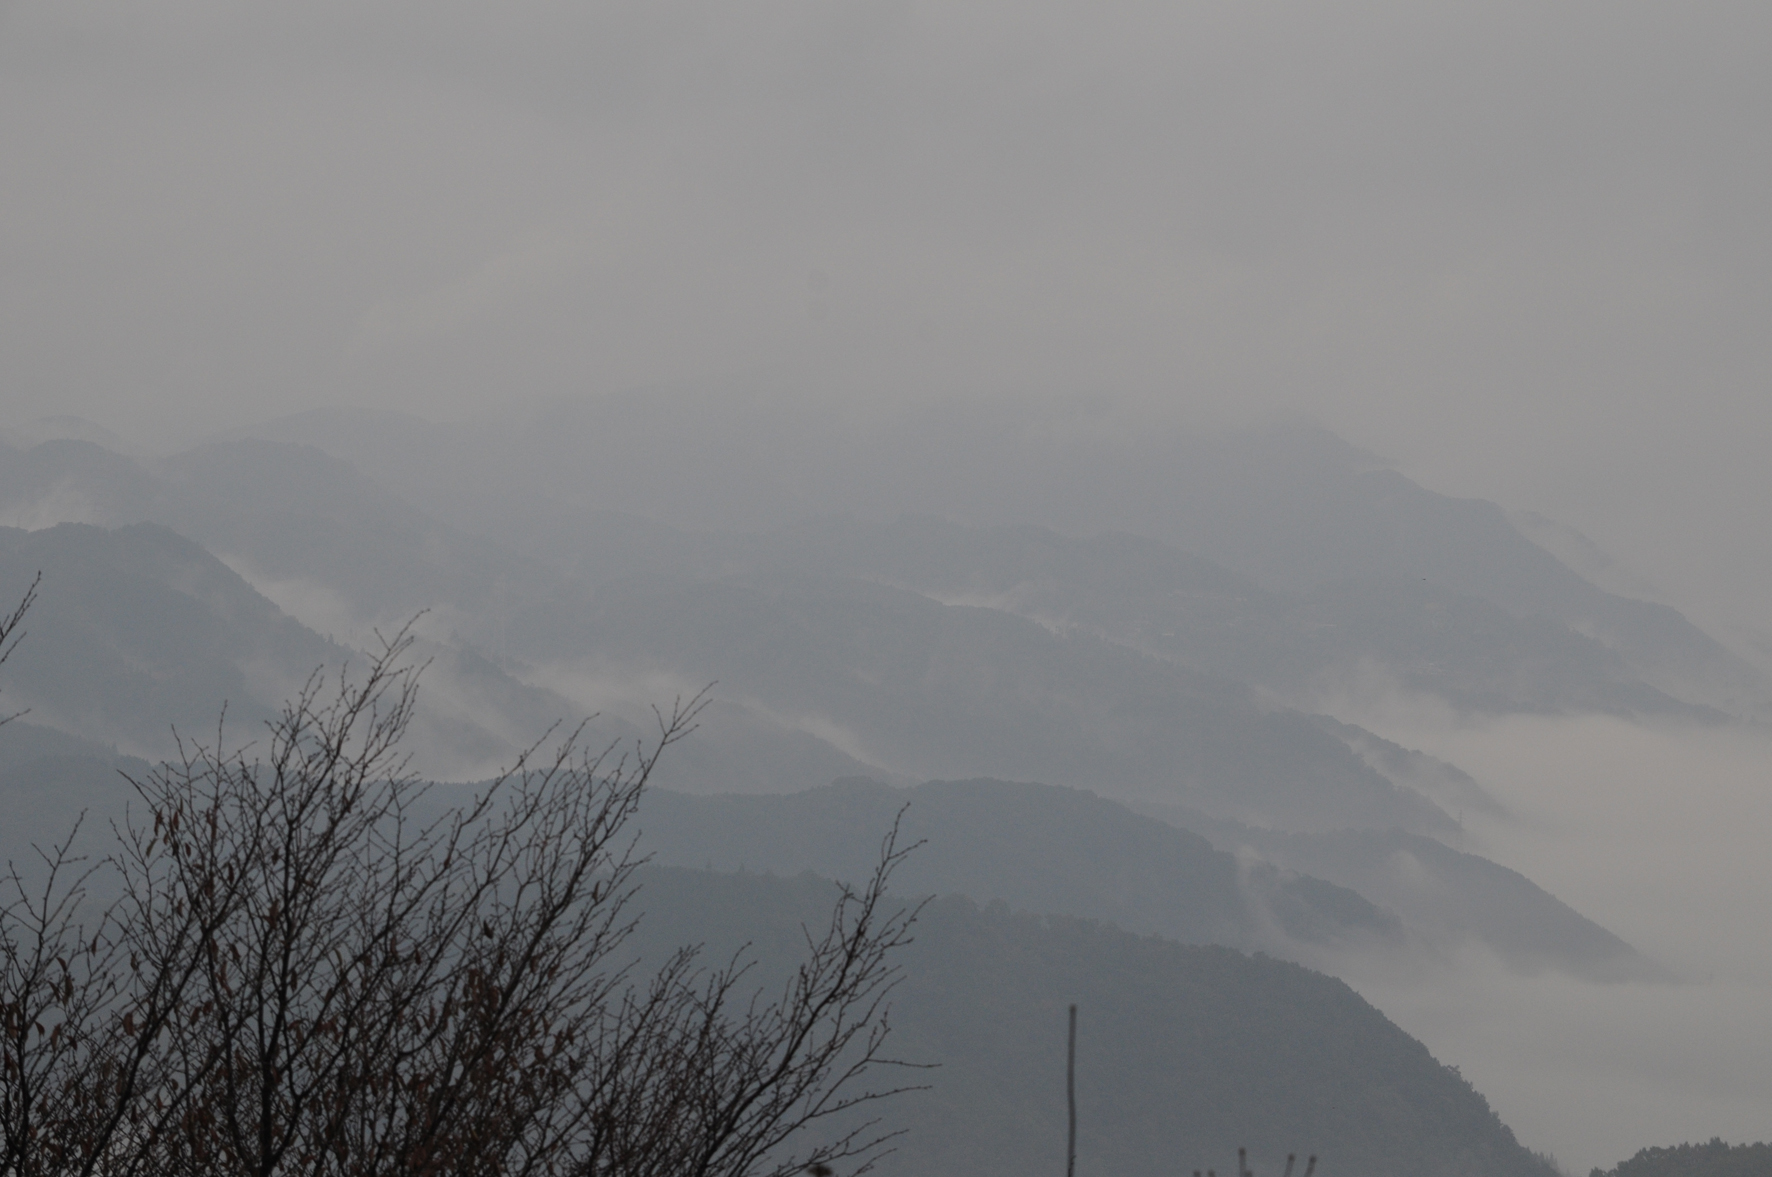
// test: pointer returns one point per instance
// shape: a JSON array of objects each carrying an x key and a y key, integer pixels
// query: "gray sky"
[
  {"x": 1521, "y": 247},
  {"x": 1524, "y": 248}
]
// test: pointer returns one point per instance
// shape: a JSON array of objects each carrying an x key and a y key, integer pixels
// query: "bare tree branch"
[{"x": 314, "y": 967}]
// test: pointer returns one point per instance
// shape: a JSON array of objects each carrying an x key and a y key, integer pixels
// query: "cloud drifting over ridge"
[
  {"x": 1519, "y": 247},
  {"x": 1658, "y": 833},
  {"x": 1516, "y": 246}
]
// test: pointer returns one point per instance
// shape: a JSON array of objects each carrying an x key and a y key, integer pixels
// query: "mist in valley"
[
  {"x": 1268, "y": 499},
  {"x": 1654, "y": 831}
]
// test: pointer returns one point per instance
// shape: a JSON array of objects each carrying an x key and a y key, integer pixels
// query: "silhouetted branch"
[{"x": 312, "y": 968}]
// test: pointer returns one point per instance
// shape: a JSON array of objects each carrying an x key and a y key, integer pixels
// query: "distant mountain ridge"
[
  {"x": 139, "y": 632},
  {"x": 900, "y": 683},
  {"x": 1044, "y": 848},
  {"x": 1185, "y": 1052},
  {"x": 927, "y": 690},
  {"x": 910, "y": 649},
  {"x": 1180, "y": 606},
  {"x": 1313, "y": 563},
  {"x": 906, "y": 650},
  {"x": 290, "y": 513},
  {"x": 1039, "y": 847},
  {"x": 1292, "y": 508},
  {"x": 1443, "y": 896},
  {"x": 1152, "y": 623}
]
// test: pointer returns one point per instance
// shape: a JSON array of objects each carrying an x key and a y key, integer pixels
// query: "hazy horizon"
[{"x": 1517, "y": 252}]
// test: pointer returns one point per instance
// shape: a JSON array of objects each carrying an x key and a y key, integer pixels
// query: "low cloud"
[{"x": 1659, "y": 834}]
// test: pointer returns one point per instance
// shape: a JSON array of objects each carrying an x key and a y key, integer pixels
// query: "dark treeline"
[{"x": 1714, "y": 1159}]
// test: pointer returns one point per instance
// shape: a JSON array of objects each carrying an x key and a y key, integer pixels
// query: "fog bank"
[{"x": 1660, "y": 835}]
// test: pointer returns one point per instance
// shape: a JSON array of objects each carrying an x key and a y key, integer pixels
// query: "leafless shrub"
[{"x": 311, "y": 967}]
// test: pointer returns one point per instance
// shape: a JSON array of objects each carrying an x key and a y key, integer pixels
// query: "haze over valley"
[
  {"x": 1385, "y": 767},
  {"x": 1266, "y": 502}
]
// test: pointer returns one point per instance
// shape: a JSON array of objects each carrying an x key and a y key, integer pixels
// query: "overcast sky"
[{"x": 1521, "y": 247}]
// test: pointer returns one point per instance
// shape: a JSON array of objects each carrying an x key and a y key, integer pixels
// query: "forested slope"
[{"x": 1185, "y": 1053}]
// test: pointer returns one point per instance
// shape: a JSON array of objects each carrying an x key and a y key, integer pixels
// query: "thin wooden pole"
[{"x": 1070, "y": 1095}]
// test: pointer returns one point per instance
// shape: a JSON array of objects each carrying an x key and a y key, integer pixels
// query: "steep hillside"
[
  {"x": 928, "y": 690},
  {"x": 1444, "y": 897},
  {"x": 1293, "y": 509},
  {"x": 333, "y": 543},
  {"x": 139, "y": 632},
  {"x": 1185, "y": 1053},
  {"x": 1155, "y": 597},
  {"x": 1174, "y": 872},
  {"x": 1037, "y": 847}
]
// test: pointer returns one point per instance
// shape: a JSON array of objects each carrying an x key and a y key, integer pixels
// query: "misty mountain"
[
  {"x": 1293, "y": 509},
  {"x": 326, "y": 534},
  {"x": 930, "y": 690},
  {"x": 343, "y": 550},
  {"x": 294, "y": 516},
  {"x": 1172, "y": 872},
  {"x": 907, "y": 650},
  {"x": 56, "y": 427},
  {"x": 1454, "y": 789},
  {"x": 1299, "y": 509},
  {"x": 1471, "y": 609},
  {"x": 1180, "y": 606},
  {"x": 70, "y": 480},
  {"x": 1185, "y": 1053},
  {"x": 1038, "y": 847},
  {"x": 139, "y": 632},
  {"x": 1443, "y": 897},
  {"x": 893, "y": 681},
  {"x": 1110, "y": 661},
  {"x": 23, "y": 743}
]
